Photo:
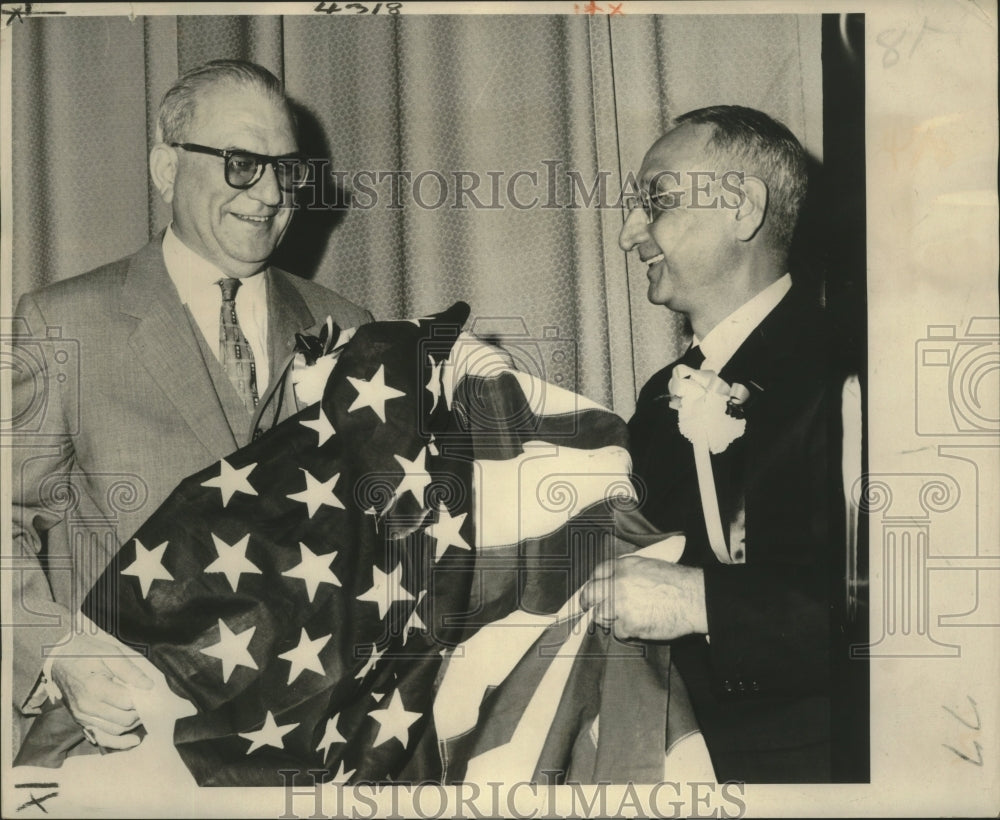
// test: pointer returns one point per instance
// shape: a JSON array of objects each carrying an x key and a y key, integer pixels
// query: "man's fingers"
[
  {"x": 593, "y": 592},
  {"x": 109, "y": 718},
  {"x": 102, "y": 700},
  {"x": 604, "y": 613},
  {"x": 109, "y": 692},
  {"x": 128, "y": 672},
  {"x": 606, "y": 569},
  {"x": 114, "y": 741},
  {"x": 108, "y": 721},
  {"x": 599, "y": 586}
]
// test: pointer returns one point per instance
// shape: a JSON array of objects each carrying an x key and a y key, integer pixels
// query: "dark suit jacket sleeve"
[{"x": 42, "y": 452}]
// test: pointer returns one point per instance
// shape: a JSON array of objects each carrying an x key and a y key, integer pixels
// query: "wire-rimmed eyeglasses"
[{"x": 653, "y": 204}]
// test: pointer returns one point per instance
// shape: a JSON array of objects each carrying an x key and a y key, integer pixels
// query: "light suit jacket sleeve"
[{"x": 44, "y": 389}]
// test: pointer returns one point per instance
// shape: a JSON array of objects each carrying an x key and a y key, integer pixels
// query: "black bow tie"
[{"x": 693, "y": 357}]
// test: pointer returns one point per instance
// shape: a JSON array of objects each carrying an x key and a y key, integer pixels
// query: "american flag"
[{"x": 382, "y": 587}]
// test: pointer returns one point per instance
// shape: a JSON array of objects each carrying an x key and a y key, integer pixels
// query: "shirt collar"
[
  {"x": 723, "y": 340},
  {"x": 194, "y": 276}
]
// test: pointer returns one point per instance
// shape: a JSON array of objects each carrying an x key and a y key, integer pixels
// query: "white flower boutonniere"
[
  {"x": 315, "y": 358},
  {"x": 707, "y": 408},
  {"x": 710, "y": 416}
]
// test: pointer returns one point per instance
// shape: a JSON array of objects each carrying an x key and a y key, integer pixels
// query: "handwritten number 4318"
[{"x": 359, "y": 8}]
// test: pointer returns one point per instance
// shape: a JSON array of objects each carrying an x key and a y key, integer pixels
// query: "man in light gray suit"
[{"x": 148, "y": 369}]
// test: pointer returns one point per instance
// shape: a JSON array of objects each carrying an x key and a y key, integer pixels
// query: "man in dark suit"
[
  {"x": 179, "y": 351},
  {"x": 747, "y": 610}
]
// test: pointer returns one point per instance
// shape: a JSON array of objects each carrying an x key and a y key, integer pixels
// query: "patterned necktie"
[{"x": 234, "y": 349}]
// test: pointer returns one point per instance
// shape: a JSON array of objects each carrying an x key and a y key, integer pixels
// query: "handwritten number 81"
[{"x": 889, "y": 39}]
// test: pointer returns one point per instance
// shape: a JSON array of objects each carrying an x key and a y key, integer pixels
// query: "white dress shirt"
[
  {"x": 196, "y": 281},
  {"x": 723, "y": 340}
]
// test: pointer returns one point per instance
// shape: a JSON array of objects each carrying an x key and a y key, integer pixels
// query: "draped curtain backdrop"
[{"x": 553, "y": 96}]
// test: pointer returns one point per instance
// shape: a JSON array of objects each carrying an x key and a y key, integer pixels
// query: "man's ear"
[
  {"x": 750, "y": 213},
  {"x": 163, "y": 170}
]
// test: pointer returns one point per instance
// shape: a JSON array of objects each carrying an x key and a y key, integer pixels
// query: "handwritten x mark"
[
  {"x": 37, "y": 801},
  {"x": 21, "y": 12}
]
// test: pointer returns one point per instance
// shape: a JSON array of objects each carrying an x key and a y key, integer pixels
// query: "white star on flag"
[
  {"x": 373, "y": 659},
  {"x": 232, "y": 561},
  {"x": 314, "y": 570},
  {"x": 373, "y": 393},
  {"x": 394, "y": 721},
  {"x": 414, "y": 621},
  {"x": 148, "y": 566},
  {"x": 445, "y": 531},
  {"x": 341, "y": 776},
  {"x": 331, "y": 735},
  {"x": 305, "y": 655},
  {"x": 322, "y": 426},
  {"x": 231, "y": 481},
  {"x": 317, "y": 493},
  {"x": 386, "y": 589},
  {"x": 270, "y": 734},
  {"x": 434, "y": 381},
  {"x": 415, "y": 476},
  {"x": 232, "y": 649}
]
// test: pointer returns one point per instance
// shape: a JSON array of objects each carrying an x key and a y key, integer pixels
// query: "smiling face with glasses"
[
  {"x": 684, "y": 247},
  {"x": 229, "y": 181}
]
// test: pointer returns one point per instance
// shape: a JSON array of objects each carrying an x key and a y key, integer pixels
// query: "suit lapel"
[
  {"x": 165, "y": 344},
  {"x": 772, "y": 363},
  {"x": 762, "y": 364},
  {"x": 287, "y": 314}
]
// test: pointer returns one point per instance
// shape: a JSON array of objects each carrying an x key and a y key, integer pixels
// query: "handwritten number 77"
[{"x": 975, "y": 725}]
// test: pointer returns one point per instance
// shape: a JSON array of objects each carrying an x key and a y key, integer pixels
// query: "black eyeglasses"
[
  {"x": 654, "y": 204},
  {"x": 244, "y": 168}
]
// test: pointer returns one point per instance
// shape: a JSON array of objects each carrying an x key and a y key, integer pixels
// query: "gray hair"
[
  {"x": 177, "y": 109},
  {"x": 750, "y": 141}
]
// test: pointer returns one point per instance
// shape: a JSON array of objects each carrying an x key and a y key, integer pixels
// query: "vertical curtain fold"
[
  {"x": 201, "y": 38},
  {"x": 457, "y": 101},
  {"x": 616, "y": 308},
  {"x": 345, "y": 73},
  {"x": 160, "y": 52},
  {"x": 78, "y": 140}
]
